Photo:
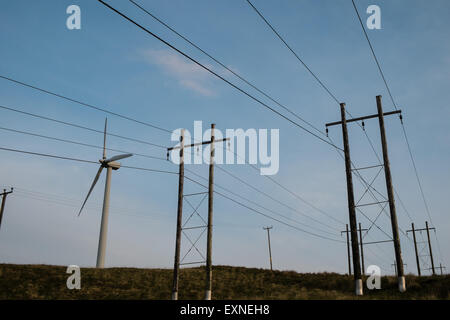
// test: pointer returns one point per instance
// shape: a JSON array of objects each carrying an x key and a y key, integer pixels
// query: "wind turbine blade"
[
  {"x": 104, "y": 140},
  {"x": 92, "y": 187},
  {"x": 118, "y": 157}
]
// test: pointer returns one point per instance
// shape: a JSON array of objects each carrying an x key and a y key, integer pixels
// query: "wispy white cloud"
[{"x": 188, "y": 74}]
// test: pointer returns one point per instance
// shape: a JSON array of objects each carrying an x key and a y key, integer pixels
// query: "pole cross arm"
[
  {"x": 424, "y": 229},
  {"x": 6, "y": 192},
  {"x": 363, "y": 118},
  {"x": 197, "y": 144}
]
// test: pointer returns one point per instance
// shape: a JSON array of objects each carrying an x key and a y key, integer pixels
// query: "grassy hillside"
[{"x": 49, "y": 282}]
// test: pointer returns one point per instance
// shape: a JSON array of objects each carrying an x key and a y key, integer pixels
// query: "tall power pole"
[
  {"x": 415, "y": 247},
  {"x": 180, "y": 228},
  {"x": 395, "y": 234},
  {"x": 210, "y": 219},
  {"x": 2, "y": 208},
  {"x": 351, "y": 206},
  {"x": 390, "y": 192},
  {"x": 270, "y": 250},
  {"x": 176, "y": 267}
]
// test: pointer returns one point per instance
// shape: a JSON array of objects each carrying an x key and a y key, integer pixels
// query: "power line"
[
  {"x": 162, "y": 159},
  {"x": 294, "y": 53},
  {"x": 79, "y": 160},
  {"x": 314, "y": 75},
  {"x": 288, "y": 190},
  {"x": 374, "y": 55},
  {"x": 71, "y": 124},
  {"x": 265, "y": 215},
  {"x": 98, "y": 147},
  {"x": 395, "y": 106},
  {"x": 272, "y": 198},
  {"x": 78, "y": 143},
  {"x": 225, "y": 67},
  {"x": 216, "y": 74},
  {"x": 258, "y": 205},
  {"x": 84, "y": 104}
]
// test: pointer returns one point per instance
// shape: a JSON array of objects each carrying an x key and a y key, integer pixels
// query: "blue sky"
[{"x": 113, "y": 64}]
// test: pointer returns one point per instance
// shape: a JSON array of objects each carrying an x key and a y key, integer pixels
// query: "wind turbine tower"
[{"x": 110, "y": 164}]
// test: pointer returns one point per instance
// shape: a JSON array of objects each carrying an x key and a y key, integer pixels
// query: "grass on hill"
[{"x": 49, "y": 282}]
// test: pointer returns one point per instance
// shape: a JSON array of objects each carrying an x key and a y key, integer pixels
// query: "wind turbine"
[{"x": 110, "y": 164}]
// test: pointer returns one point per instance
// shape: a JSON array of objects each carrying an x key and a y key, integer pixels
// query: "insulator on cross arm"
[
  {"x": 364, "y": 126},
  {"x": 401, "y": 118},
  {"x": 326, "y": 131}
]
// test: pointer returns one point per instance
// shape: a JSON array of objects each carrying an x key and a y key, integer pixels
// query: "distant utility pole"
[
  {"x": 390, "y": 191},
  {"x": 181, "y": 196},
  {"x": 395, "y": 267},
  {"x": 2, "y": 208},
  {"x": 270, "y": 250},
  {"x": 348, "y": 250},
  {"x": 360, "y": 230},
  {"x": 429, "y": 246},
  {"x": 441, "y": 267},
  {"x": 362, "y": 250}
]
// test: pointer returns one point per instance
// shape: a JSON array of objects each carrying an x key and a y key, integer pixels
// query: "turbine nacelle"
[{"x": 111, "y": 162}]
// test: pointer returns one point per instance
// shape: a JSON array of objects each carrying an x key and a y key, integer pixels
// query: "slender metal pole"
[
  {"x": 210, "y": 219},
  {"x": 348, "y": 251},
  {"x": 104, "y": 225},
  {"x": 362, "y": 251},
  {"x": 390, "y": 192},
  {"x": 429, "y": 247},
  {"x": 176, "y": 267},
  {"x": 415, "y": 248},
  {"x": 270, "y": 250},
  {"x": 351, "y": 207}
]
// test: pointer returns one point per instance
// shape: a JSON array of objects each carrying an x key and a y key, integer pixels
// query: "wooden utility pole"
[
  {"x": 415, "y": 248},
  {"x": 176, "y": 267},
  {"x": 427, "y": 229},
  {"x": 441, "y": 267},
  {"x": 395, "y": 235},
  {"x": 362, "y": 250},
  {"x": 2, "y": 208},
  {"x": 429, "y": 247},
  {"x": 210, "y": 219},
  {"x": 351, "y": 207},
  {"x": 348, "y": 251},
  {"x": 361, "y": 247},
  {"x": 180, "y": 228},
  {"x": 390, "y": 192},
  {"x": 270, "y": 250}
]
